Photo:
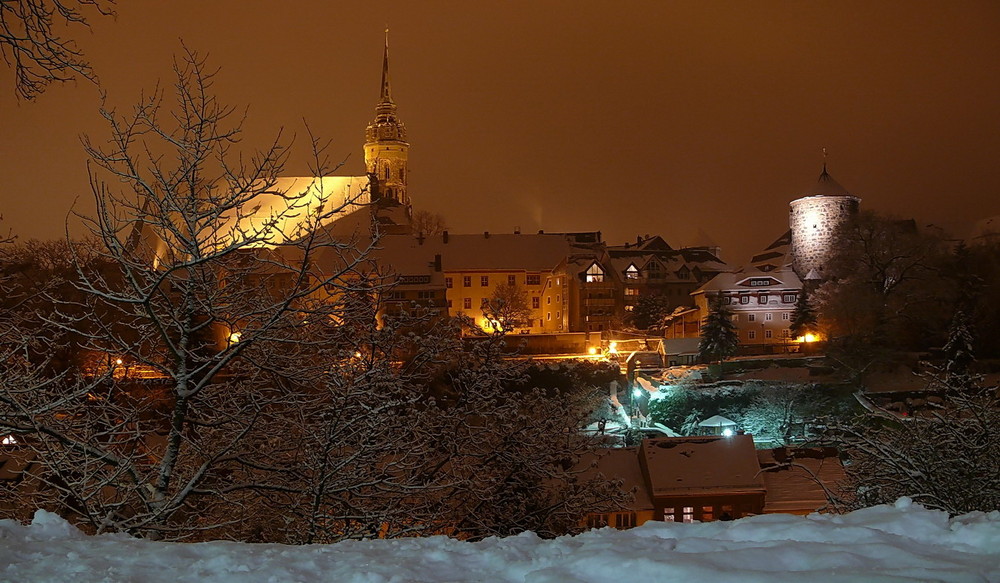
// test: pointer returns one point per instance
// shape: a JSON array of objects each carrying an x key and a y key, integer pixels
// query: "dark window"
[
  {"x": 467, "y": 303},
  {"x": 511, "y": 280},
  {"x": 533, "y": 279},
  {"x": 447, "y": 282},
  {"x": 467, "y": 281},
  {"x": 484, "y": 280}
]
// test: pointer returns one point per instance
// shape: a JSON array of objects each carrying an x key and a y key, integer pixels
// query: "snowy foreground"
[{"x": 904, "y": 542}]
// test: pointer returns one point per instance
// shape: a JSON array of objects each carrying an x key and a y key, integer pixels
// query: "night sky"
[{"x": 697, "y": 121}]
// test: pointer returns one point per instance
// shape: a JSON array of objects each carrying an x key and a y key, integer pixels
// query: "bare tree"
[
  {"x": 427, "y": 224},
  {"x": 945, "y": 459},
  {"x": 507, "y": 308},
  {"x": 31, "y": 44},
  {"x": 886, "y": 291},
  {"x": 201, "y": 284}
]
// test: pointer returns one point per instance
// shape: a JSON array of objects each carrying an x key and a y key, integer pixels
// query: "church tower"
[{"x": 386, "y": 147}]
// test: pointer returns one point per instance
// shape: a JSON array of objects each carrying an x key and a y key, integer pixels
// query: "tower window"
[{"x": 387, "y": 173}]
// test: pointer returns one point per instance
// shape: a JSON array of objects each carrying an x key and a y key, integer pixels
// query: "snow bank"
[{"x": 904, "y": 542}]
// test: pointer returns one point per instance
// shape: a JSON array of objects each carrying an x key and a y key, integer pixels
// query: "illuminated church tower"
[
  {"x": 386, "y": 147},
  {"x": 815, "y": 220}
]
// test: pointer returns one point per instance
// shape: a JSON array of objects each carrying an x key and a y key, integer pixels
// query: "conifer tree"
[
  {"x": 719, "y": 338},
  {"x": 804, "y": 316}
]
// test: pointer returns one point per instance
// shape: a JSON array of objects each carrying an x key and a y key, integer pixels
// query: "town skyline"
[{"x": 661, "y": 119}]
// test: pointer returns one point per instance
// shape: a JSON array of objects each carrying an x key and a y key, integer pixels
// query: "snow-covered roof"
[
  {"x": 717, "y": 421},
  {"x": 794, "y": 478},
  {"x": 826, "y": 186},
  {"x": 702, "y": 465},
  {"x": 733, "y": 281}
]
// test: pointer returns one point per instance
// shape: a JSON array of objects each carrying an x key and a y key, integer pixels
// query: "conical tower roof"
[{"x": 826, "y": 186}]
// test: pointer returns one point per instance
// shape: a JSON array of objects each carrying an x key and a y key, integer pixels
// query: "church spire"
[
  {"x": 386, "y": 95},
  {"x": 386, "y": 148}
]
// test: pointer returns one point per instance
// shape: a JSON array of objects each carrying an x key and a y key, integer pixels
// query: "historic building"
[
  {"x": 386, "y": 148},
  {"x": 762, "y": 296},
  {"x": 815, "y": 220}
]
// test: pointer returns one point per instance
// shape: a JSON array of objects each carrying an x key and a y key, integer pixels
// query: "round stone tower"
[{"x": 815, "y": 220}]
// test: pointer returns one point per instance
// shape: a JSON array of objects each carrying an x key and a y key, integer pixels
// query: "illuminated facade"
[
  {"x": 386, "y": 148},
  {"x": 815, "y": 220}
]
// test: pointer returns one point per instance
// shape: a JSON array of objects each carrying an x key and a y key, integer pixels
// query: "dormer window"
[
  {"x": 595, "y": 274},
  {"x": 632, "y": 272}
]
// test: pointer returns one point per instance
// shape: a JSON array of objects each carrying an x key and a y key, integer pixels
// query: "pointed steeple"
[
  {"x": 386, "y": 95},
  {"x": 386, "y": 147}
]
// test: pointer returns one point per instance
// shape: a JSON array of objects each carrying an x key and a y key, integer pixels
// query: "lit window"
[
  {"x": 707, "y": 513},
  {"x": 632, "y": 272},
  {"x": 631, "y": 291},
  {"x": 668, "y": 515},
  {"x": 595, "y": 274},
  {"x": 467, "y": 281},
  {"x": 688, "y": 514}
]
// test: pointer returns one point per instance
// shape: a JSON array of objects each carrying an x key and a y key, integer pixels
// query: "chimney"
[
  {"x": 517, "y": 230},
  {"x": 437, "y": 262},
  {"x": 486, "y": 234},
  {"x": 541, "y": 232},
  {"x": 444, "y": 236}
]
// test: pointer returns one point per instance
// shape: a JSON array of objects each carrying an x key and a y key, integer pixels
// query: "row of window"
[
  {"x": 785, "y": 333},
  {"x": 484, "y": 280},
  {"x": 761, "y": 299},
  {"x": 706, "y": 513},
  {"x": 422, "y": 294},
  {"x": 619, "y": 520},
  {"x": 768, "y": 316}
]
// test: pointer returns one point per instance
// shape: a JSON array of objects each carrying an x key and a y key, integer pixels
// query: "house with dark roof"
[
  {"x": 684, "y": 479},
  {"x": 687, "y": 479}
]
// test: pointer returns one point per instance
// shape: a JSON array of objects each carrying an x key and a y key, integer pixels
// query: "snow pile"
[{"x": 897, "y": 543}]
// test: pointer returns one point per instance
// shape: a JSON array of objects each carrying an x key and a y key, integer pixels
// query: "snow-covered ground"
[{"x": 904, "y": 542}]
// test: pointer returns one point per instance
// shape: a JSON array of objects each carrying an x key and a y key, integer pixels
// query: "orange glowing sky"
[{"x": 633, "y": 117}]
